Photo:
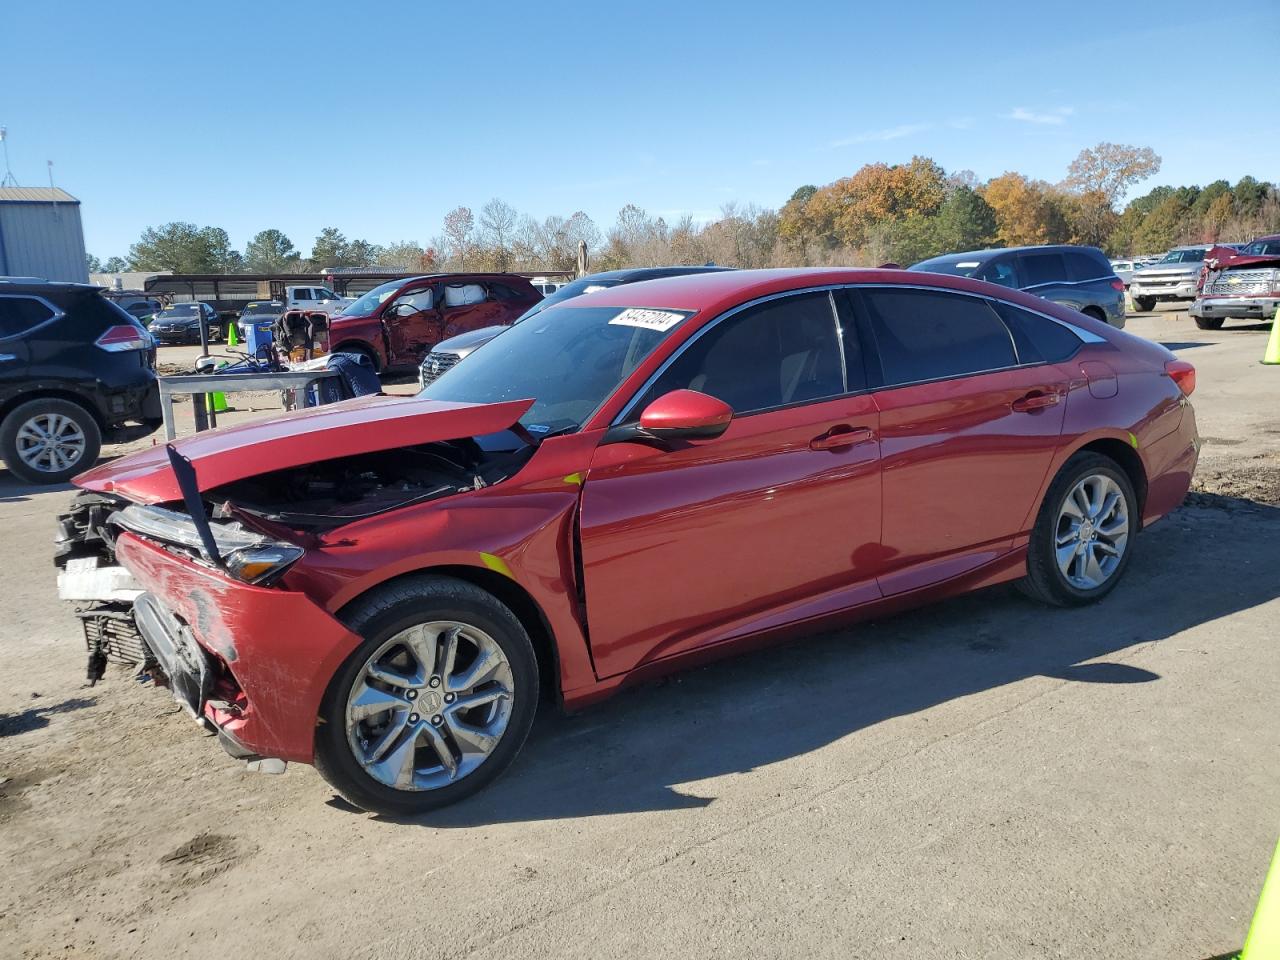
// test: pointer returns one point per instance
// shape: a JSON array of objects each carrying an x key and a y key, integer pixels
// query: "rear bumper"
[
  {"x": 252, "y": 661},
  {"x": 1210, "y": 308}
]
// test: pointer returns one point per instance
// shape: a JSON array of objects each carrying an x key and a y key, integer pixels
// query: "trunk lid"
[{"x": 349, "y": 428}]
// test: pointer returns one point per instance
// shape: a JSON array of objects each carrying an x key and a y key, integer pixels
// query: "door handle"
[
  {"x": 1036, "y": 400},
  {"x": 838, "y": 438}
]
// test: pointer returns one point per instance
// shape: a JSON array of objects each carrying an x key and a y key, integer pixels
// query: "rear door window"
[
  {"x": 302, "y": 293},
  {"x": 1042, "y": 268},
  {"x": 925, "y": 335},
  {"x": 20, "y": 314}
]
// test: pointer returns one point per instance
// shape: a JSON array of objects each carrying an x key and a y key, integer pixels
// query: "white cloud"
[
  {"x": 878, "y": 136},
  {"x": 1053, "y": 116}
]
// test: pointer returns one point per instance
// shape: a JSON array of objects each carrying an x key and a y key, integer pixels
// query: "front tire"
[
  {"x": 1083, "y": 536},
  {"x": 434, "y": 705},
  {"x": 1209, "y": 323},
  {"x": 49, "y": 440},
  {"x": 1144, "y": 304}
]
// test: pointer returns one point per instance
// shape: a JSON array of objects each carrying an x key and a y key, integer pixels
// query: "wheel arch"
[
  {"x": 1126, "y": 457},
  {"x": 54, "y": 393},
  {"x": 508, "y": 591},
  {"x": 361, "y": 346}
]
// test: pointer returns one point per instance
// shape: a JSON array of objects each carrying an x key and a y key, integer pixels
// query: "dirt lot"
[{"x": 983, "y": 778}]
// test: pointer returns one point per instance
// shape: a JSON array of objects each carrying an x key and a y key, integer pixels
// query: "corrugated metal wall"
[{"x": 42, "y": 240}]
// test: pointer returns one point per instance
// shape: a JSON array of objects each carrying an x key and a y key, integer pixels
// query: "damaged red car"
[{"x": 632, "y": 481}]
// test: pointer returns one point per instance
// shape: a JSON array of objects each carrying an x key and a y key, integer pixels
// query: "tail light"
[
  {"x": 1117, "y": 284},
  {"x": 123, "y": 337},
  {"x": 1183, "y": 374}
]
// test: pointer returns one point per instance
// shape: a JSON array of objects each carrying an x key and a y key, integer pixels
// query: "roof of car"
[
  {"x": 712, "y": 292},
  {"x": 36, "y": 284},
  {"x": 995, "y": 251},
  {"x": 636, "y": 274}
]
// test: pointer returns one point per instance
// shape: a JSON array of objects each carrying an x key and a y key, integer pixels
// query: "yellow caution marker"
[
  {"x": 497, "y": 565},
  {"x": 1273, "y": 343},
  {"x": 575, "y": 479},
  {"x": 217, "y": 402},
  {"x": 1263, "y": 942},
  {"x": 233, "y": 334}
]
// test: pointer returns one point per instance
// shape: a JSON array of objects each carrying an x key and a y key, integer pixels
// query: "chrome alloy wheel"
[
  {"x": 1092, "y": 532},
  {"x": 429, "y": 706},
  {"x": 50, "y": 442}
]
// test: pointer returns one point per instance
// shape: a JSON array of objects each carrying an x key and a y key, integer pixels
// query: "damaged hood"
[{"x": 349, "y": 428}]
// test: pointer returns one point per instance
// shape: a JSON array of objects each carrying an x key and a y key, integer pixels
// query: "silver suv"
[{"x": 1172, "y": 277}]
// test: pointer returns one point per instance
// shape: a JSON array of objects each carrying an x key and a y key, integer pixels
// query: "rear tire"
[
  {"x": 1108, "y": 512},
  {"x": 75, "y": 440},
  {"x": 1210, "y": 323},
  {"x": 1144, "y": 304},
  {"x": 1096, "y": 313},
  {"x": 432, "y": 749}
]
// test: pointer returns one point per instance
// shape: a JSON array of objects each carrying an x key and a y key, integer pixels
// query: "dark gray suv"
[{"x": 1079, "y": 277}]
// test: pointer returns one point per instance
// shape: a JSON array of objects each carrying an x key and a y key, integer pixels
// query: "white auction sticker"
[{"x": 659, "y": 320}]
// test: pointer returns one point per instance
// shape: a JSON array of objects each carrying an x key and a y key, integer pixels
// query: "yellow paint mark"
[
  {"x": 1133, "y": 440},
  {"x": 574, "y": 478},
  {"x": 497, "y": 565}
]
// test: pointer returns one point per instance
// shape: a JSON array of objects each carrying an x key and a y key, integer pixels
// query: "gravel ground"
[{"x": 981, "y": 778}]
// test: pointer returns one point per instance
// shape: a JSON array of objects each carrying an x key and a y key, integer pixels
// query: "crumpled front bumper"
[{"x": 252, "y": 661}]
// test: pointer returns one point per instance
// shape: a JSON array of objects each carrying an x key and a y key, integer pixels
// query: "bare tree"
[
  {"x": 498, "y": 221},
  {"x": 459, "y": 230}
]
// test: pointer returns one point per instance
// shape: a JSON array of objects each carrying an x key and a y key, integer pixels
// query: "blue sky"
[{"x": 379, "y": 118}]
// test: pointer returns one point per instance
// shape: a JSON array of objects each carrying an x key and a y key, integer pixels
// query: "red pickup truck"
[
  {"x": 397, "y": 323},
  {"x": 1243, "y": 284}
]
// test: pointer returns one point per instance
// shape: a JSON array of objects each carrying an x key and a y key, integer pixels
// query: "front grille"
[
  {"x": 1242, "y": 283},
  {"x": 436, "y": 364}
]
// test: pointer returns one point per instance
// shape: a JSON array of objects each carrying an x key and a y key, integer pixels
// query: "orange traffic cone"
[{"x": 1273, "y": 344}]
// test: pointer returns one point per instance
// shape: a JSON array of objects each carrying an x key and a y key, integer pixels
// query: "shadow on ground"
[
  {"x": 632, "y": 753},
  {"x": 12, "y": 724}
]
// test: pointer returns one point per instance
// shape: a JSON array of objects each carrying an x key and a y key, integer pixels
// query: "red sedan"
[{"x": 631, "y": 481}]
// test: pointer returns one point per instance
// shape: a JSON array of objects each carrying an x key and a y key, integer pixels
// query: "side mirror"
[{"x": 678, "y": 415}]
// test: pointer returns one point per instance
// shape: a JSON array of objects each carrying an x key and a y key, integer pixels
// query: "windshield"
[
  {"x": 569, "y": 359},
  {"x": 1183, "y": 256},
  {"x": 254, "y": 309},
  {"x": 373, "y": 299},
  {"x": 185, "y": 310},
  {"x": 953, "y": 266},
  {"x": 1263, "y": 248},
  {"x": 568, "y": 292}
]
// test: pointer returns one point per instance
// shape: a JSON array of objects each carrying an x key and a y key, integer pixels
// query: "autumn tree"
[
  {"x": 1024, "y": 210},
  {"x": 498, "y": 222}
]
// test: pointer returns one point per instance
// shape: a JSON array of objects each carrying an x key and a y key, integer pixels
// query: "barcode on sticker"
[{"x": 659, "y": 320}]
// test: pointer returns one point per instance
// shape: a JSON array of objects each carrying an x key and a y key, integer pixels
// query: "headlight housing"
[{"x": 246, "y": 555}]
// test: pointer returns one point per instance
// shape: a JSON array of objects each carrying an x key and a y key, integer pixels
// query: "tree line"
[{"x": 899, "y": 213}]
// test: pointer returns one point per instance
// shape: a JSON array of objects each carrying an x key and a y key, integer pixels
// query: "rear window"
[
  {"x": 922, "y": 335},
  {"x": 20, "y": 314}
]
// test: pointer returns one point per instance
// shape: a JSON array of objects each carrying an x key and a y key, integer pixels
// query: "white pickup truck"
[{"x": 321, "y": 299}]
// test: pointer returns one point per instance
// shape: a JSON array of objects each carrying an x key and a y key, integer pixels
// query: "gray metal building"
[{"x": 40, "y": 234}]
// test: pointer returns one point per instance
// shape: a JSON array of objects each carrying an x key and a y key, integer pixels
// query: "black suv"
[
  {"x": 75, "y": 370},
  {"x": 1078, "y": 277}
]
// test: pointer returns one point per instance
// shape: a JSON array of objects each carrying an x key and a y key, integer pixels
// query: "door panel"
[
  {"x": 473, "y": 316},
  {"x": 722, "y": 537},
  {"x": 413, "y": 335},
  {"x": 962, "y": 468}
]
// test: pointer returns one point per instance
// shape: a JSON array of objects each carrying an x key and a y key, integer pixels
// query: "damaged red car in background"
[{"x": 631, "y": 481}]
